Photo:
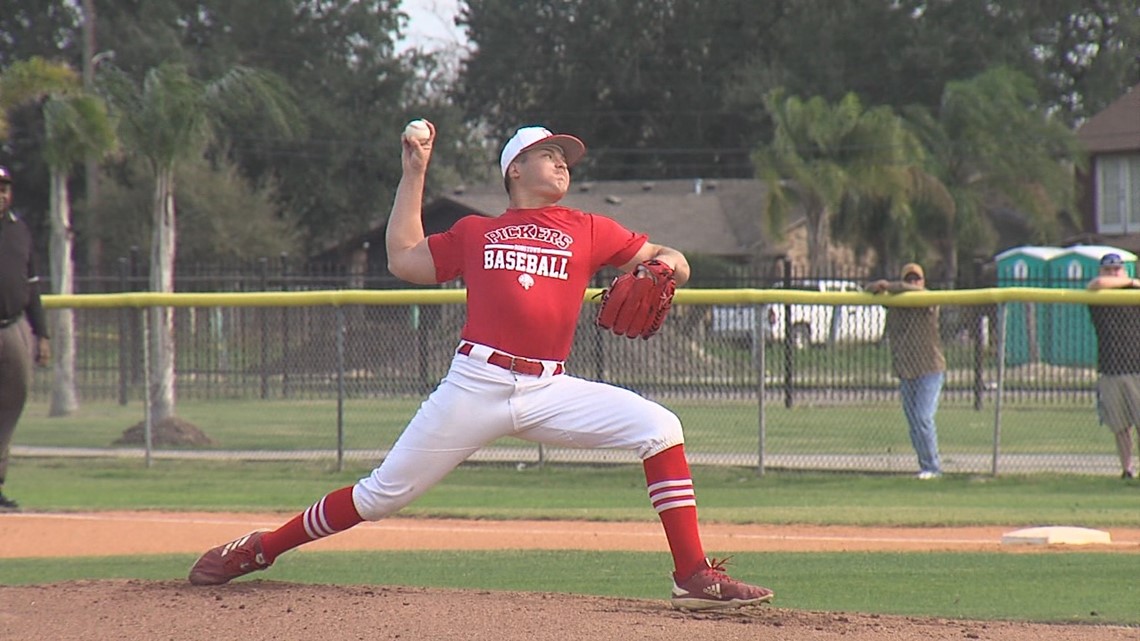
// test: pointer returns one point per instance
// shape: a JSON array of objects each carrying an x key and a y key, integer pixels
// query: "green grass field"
[
  {"x": 1094, "y": 587},
  {"x": 728, "y": 426},
  {"x": 1099, "y": 587},
  {"x": 1070, "y": 588},
  {"x": 727, "y": 494}
]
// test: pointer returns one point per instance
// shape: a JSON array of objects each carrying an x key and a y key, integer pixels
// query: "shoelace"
[{"x": 717, "y": 567}]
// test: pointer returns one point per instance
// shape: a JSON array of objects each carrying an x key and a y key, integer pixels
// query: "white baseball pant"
[{"x": 477, "y": 402}]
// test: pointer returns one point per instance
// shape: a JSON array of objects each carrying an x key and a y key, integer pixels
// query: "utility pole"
[{"x": 91, "y": 163}]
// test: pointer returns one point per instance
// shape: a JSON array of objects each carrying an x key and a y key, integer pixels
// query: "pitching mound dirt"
[
  {"x": 132, "y": 610},
  {"x": 273, "y": 611}
]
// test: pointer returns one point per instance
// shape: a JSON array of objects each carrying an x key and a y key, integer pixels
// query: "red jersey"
[{"x": 526, "y": 273}]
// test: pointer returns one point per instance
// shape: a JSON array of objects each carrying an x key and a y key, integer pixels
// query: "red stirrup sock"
[
  {"x": 672, "y": 495},
  {"x": 333, "y": 513}
]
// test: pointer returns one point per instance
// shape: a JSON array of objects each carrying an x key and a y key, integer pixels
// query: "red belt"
[{"x": 513, "y": 363}]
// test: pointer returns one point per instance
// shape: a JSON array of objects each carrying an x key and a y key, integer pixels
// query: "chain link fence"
[{"x": 789, "y": 383}]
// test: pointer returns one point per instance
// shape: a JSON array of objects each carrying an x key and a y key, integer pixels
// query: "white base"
[{"x": 1056, "y": 535}]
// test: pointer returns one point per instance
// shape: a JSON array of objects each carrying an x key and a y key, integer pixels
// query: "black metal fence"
[
  {"x": 828, "y": 402},
  {"x": 783, "y": 383},
  {"x": 284, "y": 352}
]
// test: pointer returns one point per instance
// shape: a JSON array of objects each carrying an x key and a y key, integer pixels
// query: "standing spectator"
[
  {"x": 19, "y": 300},
  {"x": 1117, "y": 359},
  {"x": 918, "y": 361}
]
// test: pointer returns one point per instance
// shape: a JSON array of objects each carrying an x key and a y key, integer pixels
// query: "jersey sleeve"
[
  {"x": 614, "y": 244},
  {"x": 447, "y": 251}
]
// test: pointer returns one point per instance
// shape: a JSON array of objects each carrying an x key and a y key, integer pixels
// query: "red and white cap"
[{"x": 527, "y": 138}]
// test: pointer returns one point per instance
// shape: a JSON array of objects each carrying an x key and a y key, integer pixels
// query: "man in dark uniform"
[{"x": 19, "y": 301}]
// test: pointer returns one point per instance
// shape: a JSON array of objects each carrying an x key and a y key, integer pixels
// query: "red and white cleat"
[
  {"x": 227, "y": 562},
  {"x": 710, "y": 588}
]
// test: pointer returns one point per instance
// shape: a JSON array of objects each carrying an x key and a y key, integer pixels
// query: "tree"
[
  {"x": 675, "y": 89},
  {"x": 826, "y": 157},
  {"x": 1077, "y": 54},
  {"x": 353, "y": 89},
  {"x": 643, "y": 81},
  {"x": 355, "y": 94},
  {"x": 906, "y": 224},
  {"x": 30, "y": 29},
  {"x": 991, "y": 142},
  {"x": 165, "y": 119},
  {"x": 76, "y": 126},
  {"x": 221, "y": 215}
]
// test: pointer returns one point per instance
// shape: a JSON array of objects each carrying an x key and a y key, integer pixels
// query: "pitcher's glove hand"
[{"x": 636, "y": 303}]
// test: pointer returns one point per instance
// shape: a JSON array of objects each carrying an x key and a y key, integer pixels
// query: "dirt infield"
[{"x": 133, "y": 610}]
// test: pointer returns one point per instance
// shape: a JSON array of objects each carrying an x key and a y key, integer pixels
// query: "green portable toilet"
[
  {"x": 1073, "y": 340},
  {"x": 1026, "y": 324}
]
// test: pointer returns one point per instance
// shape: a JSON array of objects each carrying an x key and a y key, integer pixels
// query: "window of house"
[{"x": 1118, "y": 194}]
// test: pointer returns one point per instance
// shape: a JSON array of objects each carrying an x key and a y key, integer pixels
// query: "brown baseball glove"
[{"x": 635, "y": 304}]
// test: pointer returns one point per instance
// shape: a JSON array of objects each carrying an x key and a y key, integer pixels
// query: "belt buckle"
[{"x": 514, "y": 359}]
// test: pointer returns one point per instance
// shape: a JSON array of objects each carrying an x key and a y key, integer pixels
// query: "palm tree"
[
  {"x": 854, "y": 171},
  {"x": 914, "y": 218},
  {"x": 992, "y": 142},
  {"x": 76, "y": 126},
  {"x": 166, "y": 118}
]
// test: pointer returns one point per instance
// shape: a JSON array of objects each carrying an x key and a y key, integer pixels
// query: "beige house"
[
  {"x": 720, "y": 218},
  {"x": 713, "y": 217},
  {"x": 717, "y": 218}
]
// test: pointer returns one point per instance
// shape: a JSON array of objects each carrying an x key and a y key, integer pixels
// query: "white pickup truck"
[{"x": 810, "y": 324}]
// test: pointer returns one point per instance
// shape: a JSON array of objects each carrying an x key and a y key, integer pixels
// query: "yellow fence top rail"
[{"x": 342, "y": 297}]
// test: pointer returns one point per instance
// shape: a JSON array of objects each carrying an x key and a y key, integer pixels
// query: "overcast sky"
[{"x": 431, "y": 24}]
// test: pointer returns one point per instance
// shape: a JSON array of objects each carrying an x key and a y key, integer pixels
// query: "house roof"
[
  {"x": 716, "y": 217},
  {"x": 1115, "y": 129},
  {"x": 719, "y": 217},
  {"x": 1127, "y": 242}
]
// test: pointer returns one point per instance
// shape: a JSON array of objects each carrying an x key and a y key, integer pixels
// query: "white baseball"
[{"x": 417, "y": 130}]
